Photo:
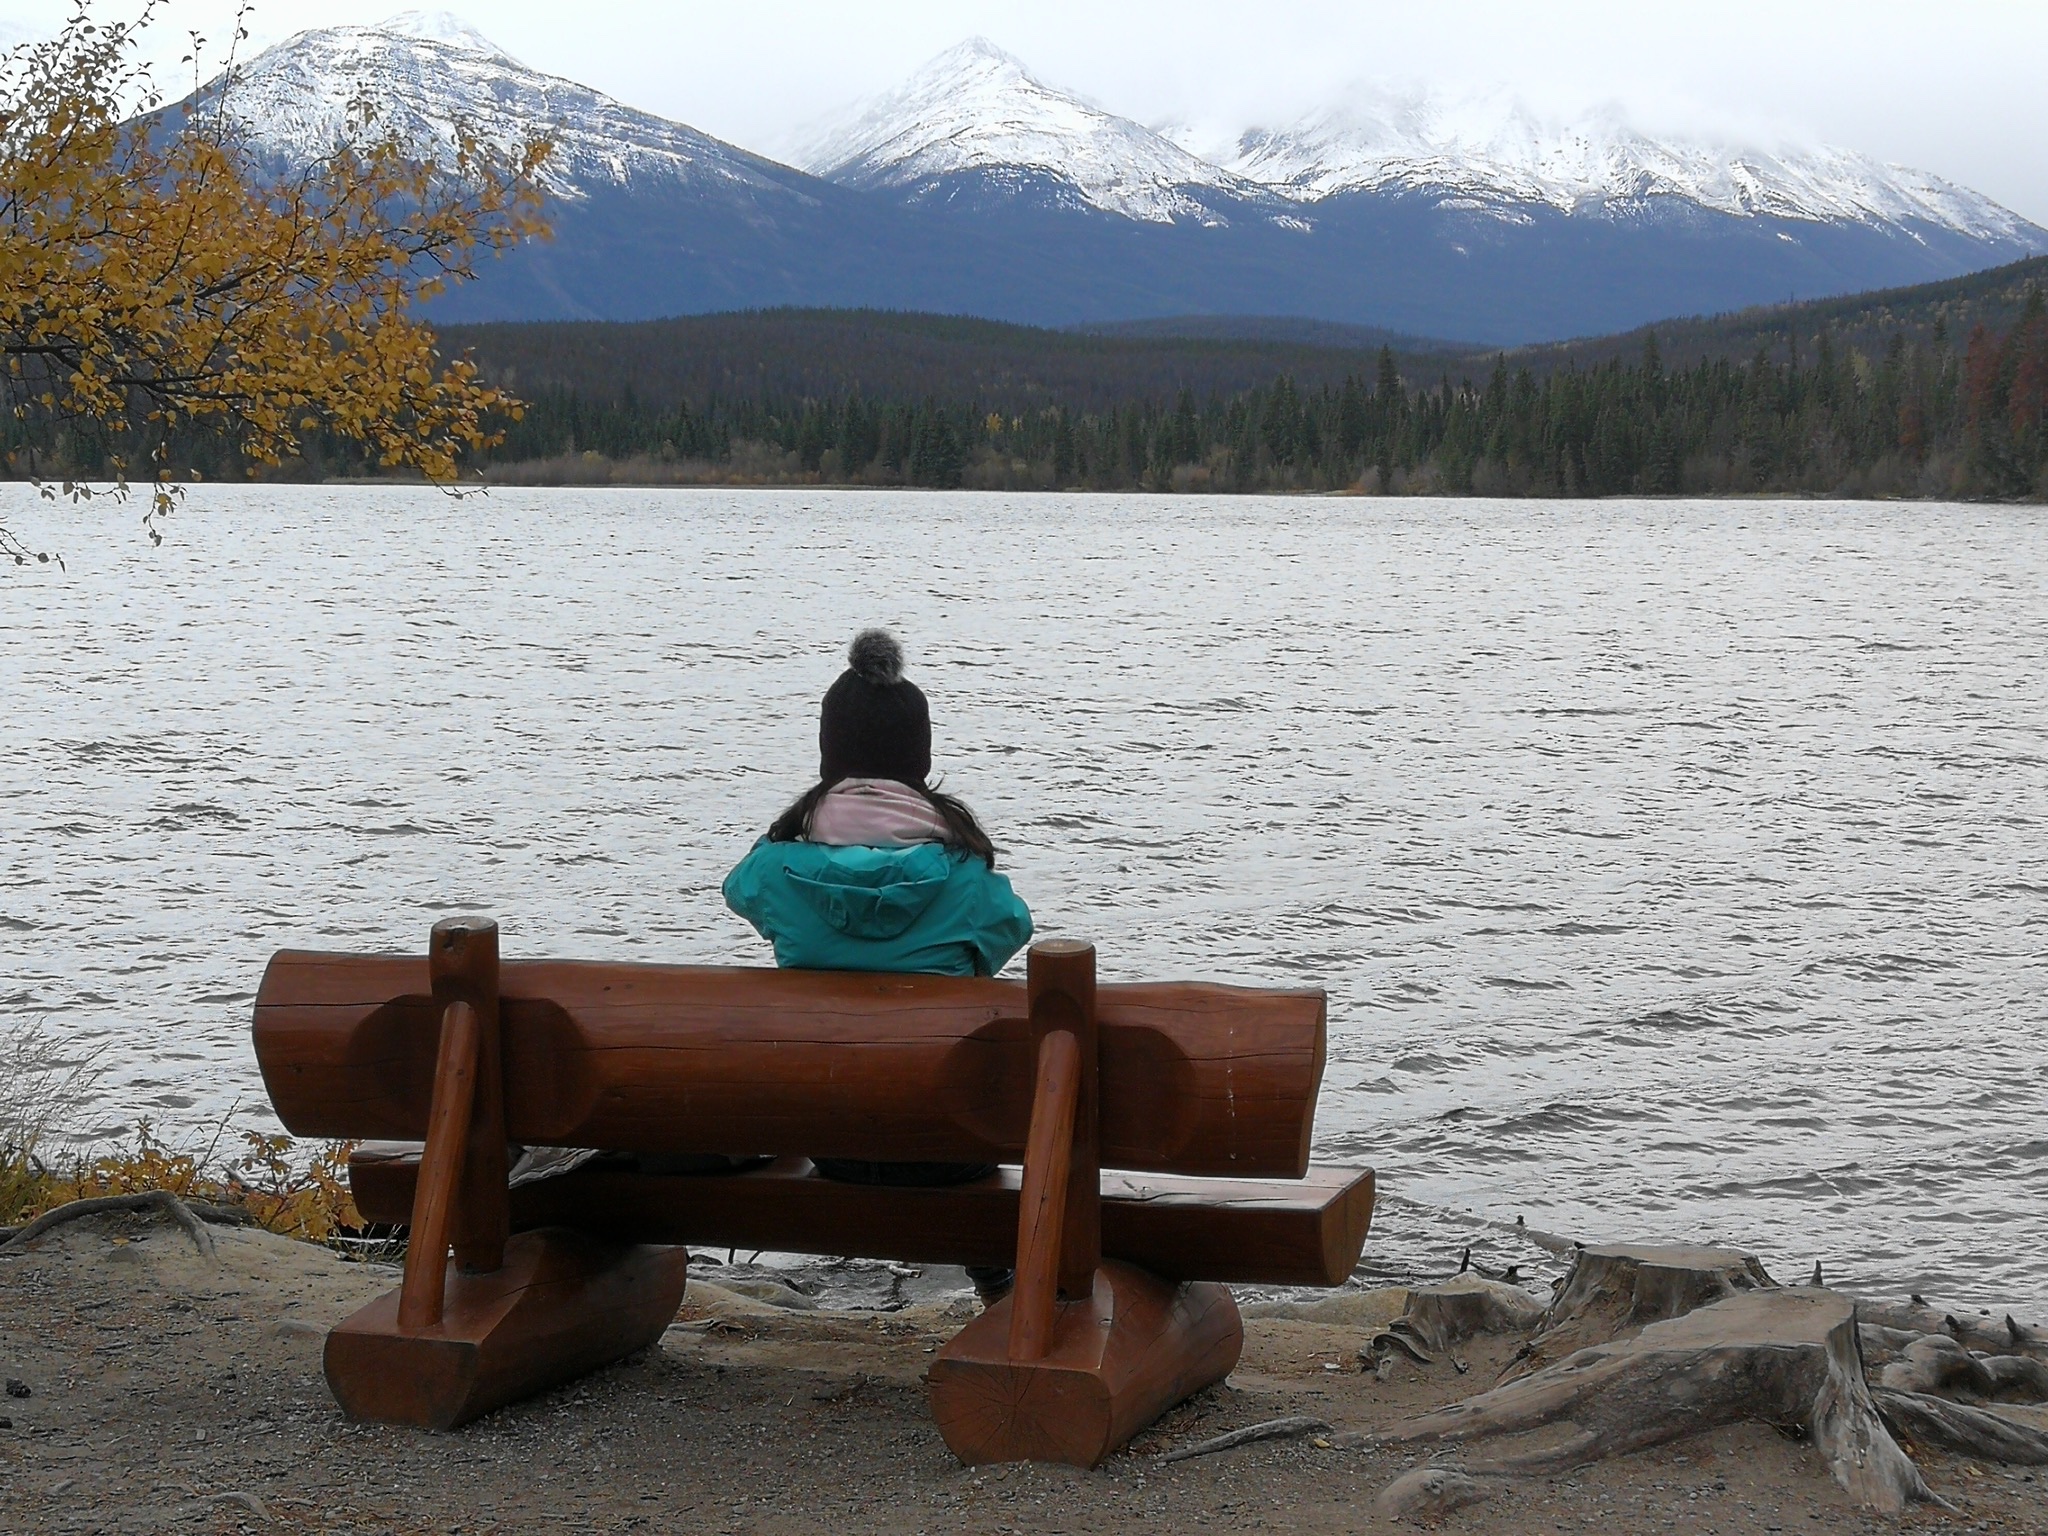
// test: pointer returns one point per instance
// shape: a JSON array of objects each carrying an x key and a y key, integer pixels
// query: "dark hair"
[{"x": 963, "y": 831}]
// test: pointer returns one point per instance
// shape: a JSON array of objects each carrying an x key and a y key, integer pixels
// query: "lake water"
[{"x": 1675, "y": 869}]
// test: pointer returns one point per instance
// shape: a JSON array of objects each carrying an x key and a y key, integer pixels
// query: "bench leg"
[
  {"x": 1117, "y": 1361},
  {"x": 563, "y": 1304}
]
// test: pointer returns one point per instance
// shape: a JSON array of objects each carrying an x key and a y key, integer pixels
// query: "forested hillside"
[
  {"x": 1864, "y": 322},
  {"x": 1936, "y": 391},
  {"x": 798, "y": 354},
  {"x": 1850, "y": 407}
]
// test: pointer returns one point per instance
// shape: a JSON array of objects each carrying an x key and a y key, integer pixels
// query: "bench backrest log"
[{"x": 1194, "y": 1078}]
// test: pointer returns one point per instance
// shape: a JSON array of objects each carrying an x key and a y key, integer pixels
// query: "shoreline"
[{"x": 738, "y": 482}]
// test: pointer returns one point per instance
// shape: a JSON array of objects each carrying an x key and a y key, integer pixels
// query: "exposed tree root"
[
  {"x": 1646, "y": 1345},
  {"x": 1251, "y": 1434},
  {"x": 2005, "y": 1336},
  {"x": 1783, "y": 1357},
  {"x": 1936, "y": 1364},
  {"x": 1959, "y": 1427},
  {"x": 161, "y": 1201}
]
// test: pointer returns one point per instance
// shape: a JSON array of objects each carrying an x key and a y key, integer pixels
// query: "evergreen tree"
[
  {"x": 1353, "y": 422},
  {"x": 936, "y": 456}
]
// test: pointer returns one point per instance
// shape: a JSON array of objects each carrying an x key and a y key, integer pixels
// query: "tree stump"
[
  {"x": 1644, "y": 1345},
  {"x": 1613, "y": 1289},
  {"x": 1780, "y": 1357},
  {"x": 1468, "y": 1306}
]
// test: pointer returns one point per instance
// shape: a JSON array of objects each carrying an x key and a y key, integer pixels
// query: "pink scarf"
[{"x": 875, "y": 813}]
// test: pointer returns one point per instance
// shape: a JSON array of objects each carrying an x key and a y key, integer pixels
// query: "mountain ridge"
[
  {"x": 1492, "y": 145},
  {"x": 976, "y": 189}
]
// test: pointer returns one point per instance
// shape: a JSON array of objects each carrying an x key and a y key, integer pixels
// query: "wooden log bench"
[{"x": 1156, "y": 1137}]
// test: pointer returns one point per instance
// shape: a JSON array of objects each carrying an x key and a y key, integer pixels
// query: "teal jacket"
[{"x": 921, "y": 908}]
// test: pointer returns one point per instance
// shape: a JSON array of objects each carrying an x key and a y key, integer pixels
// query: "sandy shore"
[{"x": 171, "y": 1392}]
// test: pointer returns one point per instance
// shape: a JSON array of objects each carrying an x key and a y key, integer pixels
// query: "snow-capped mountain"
[
  {"x": 976, "y": 115},
  {"x": 427, "y": 71},
  {"x": 976, "y": 189},
  {"x": 1493, "y": 149}
]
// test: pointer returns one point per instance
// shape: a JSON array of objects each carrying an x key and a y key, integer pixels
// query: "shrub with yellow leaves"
[
  {"x": 300, "y": 1196},
  {"x": 152, "y": 279},
  {"x": 46, "y": 1078}
]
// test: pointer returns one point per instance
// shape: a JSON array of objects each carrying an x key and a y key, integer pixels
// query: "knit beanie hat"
[{"x": 875, "y": 724}]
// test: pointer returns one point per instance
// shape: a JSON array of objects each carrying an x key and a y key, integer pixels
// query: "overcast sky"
[{"x": 1957, "y": 87}]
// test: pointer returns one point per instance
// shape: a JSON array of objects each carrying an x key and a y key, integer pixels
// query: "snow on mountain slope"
[
  {"x": 964, "y": 193},
  {"x": 429, "y": 71},
  {"x": 1492, "y": 148},
  {"x": 974, "y": 108}
]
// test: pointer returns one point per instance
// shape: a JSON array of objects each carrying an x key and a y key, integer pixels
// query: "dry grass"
[{"x": 42, "y": 1082}]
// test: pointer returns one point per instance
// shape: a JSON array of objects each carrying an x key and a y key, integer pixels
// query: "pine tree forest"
[
  {"x": 1921, "y": 414},
  {"x": 1922, "y": 419}
]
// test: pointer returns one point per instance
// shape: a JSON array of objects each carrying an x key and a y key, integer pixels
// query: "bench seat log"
[
  {"x": 1307, "y": 1231},
  {"x": 1194, "y": 1078}
]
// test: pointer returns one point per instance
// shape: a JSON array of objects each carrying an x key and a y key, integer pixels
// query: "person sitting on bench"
[{"x": 871, "y": 869}]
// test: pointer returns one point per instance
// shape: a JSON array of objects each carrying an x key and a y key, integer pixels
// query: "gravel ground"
[{"x": 167, "y": 1392}]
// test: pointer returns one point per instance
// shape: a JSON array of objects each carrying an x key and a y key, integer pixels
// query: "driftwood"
[
  {"x": 160, "y": 1201},
  {"x": 1251, "y": 1434},
  {"x": 1981, "y": 1334},
  {"x": 1782, "y": 1357},
  {"x": 2004, "y": 1336}
]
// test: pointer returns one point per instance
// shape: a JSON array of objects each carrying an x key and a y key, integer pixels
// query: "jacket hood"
[{"x": 868, "y": 893}]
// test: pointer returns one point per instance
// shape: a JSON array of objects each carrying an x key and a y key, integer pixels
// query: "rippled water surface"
[{"x": 1675, "y": 869}]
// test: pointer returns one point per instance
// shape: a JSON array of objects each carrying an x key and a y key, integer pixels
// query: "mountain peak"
[
  {"x": 975, "y": 110},
  {"x": 440, "y": 27},
  {"x": 974, "y": 50},
  {"x": 435, "y": 78}
]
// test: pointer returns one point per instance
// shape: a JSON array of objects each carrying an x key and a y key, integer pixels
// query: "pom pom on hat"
[{"x": 876, "y": 657}]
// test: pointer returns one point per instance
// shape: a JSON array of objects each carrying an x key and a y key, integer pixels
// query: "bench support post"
[
  {"x": 1081, "y": 1355},
  {"x": 504, "y": 1317}
]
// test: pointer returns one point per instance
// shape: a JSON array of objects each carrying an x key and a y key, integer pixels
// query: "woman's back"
[
  {"x": 924, "y": 907},
  {"x": 872, "y": 869}
]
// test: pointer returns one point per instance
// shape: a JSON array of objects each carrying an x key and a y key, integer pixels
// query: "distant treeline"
[
  {"x": 1934, "y": 391},
  {"x": 1924, "y": 417}
]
